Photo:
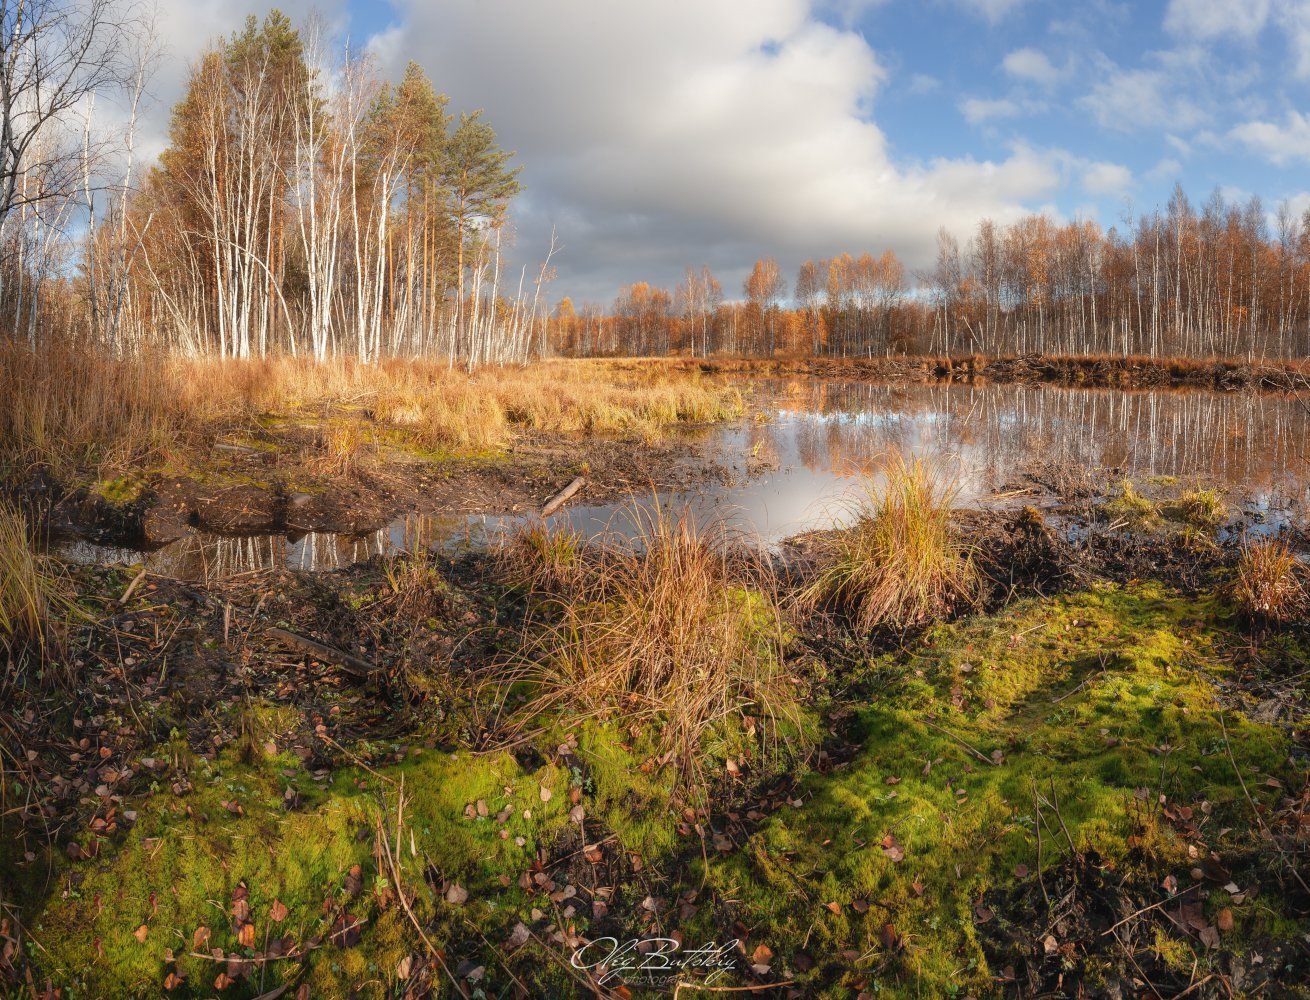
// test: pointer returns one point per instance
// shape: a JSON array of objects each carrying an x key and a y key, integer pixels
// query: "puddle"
[{"x": 796, "y": 469}]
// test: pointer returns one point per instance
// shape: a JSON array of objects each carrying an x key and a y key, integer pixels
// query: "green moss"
[
  {"x": 1084, "y": 699},
  {"x": 178, "y": 868},
  {"x": 123, "y": 490}
]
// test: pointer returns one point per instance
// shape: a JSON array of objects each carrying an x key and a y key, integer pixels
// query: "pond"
[{"x": 796, "y": 465}]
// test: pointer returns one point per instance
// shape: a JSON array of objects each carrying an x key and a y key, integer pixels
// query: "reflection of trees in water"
[
  {"x": 1238, "y": 439},
  {"x": 200, "y": 557}
]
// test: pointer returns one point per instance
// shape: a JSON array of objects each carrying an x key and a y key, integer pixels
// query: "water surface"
[{"x": 796, "y": 465}]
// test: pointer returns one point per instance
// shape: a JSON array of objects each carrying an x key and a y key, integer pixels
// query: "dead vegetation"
[
  {"x": 900, "y": 564},
  {"x": 79, "y": 413},
  {"x": 669, "y": 627},
  {"x": 1269, "y": 583}
]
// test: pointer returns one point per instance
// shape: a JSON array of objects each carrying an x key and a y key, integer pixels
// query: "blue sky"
[{"x": 659, "y": 135}]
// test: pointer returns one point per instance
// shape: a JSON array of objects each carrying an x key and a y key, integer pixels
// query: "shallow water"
[{"x": 796, "y": 467}]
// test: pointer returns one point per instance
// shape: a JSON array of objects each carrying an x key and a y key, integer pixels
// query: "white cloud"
[
  {"x": 1294, "y": 19},
  {"x": 1210, "y": 19},
  {"x": 683, "y": 132},
  {"x": 1167, "y": 169},
  {"x": 1032, "y": 66},
  {"x": 993, "y": 11},
  {"x": 1128, "y": 100},
  {"x": 977, "y": 110},
  {"x": 1280, "y": 144},
  {"x": 1106, "y": 178}
]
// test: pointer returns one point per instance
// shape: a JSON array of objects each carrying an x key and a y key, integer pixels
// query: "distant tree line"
[{"x": 1224, "y": 280}]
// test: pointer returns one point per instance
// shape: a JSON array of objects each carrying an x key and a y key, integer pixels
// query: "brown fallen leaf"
[
  {"x": 278, "y": 911},
  {"x": 456, "y": 894},
  {"x": 1224, "y": 920},
  {"x": 891, "y": 849},
  {"x": 141, "y": 933}
]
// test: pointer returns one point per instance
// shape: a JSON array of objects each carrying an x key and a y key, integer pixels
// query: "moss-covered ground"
[{"x": 963, "y": 776}]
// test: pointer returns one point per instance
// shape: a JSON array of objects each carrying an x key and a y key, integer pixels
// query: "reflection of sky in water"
[{"x": 821, "y": 437}]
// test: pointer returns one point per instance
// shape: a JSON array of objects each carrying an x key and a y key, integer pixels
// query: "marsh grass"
[
  {"x": 900, "y": 564},
  {"x": 1129, "y": 505},
  {"x": 82, "y": 414},
  {"x": 1269, "y": 583},
  {"x": 1197, "y": 507},
  {"x": 34, "y": 602},
  {"x": 666, "y": 628},
  {"x": 540, "y": 557},
  {"x": 343, "y": 449}
]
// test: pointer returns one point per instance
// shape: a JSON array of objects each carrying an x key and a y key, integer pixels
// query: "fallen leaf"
[
  {"x": 141, "y": 933},
  {"x": 456, "y": 894},
  {"x": 278, "y": 912}
]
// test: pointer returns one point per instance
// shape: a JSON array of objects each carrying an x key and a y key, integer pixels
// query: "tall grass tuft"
[
  {"x": 34, "y": 603},
  {"x": 542, "y": 558},
  {"x": 1269, "y": 586},
  {"x": 667, "y": 629},
  {"x": 900, "y": 564}
]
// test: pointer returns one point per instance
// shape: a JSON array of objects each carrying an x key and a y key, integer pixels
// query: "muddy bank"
[
  {"x": 240, "y": 490},
  {"x": 1108, "y": 372}
]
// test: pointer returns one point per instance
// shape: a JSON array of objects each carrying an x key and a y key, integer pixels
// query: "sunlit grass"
[
  {"x": 81, "y": 413},
  {"x": 663, "y": 629},
  {"x": 1268, "y": 585},
  {"x": 900, "y": 564}
]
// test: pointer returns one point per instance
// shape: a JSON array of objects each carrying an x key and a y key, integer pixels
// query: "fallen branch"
[
  {"x": 131, "y": 587},
  {"x": 1148, "y": 909},
  {"x": 972, "y": 749},
  {"x": 560, "y": 498},
  {"x": 321, "y": 651}
]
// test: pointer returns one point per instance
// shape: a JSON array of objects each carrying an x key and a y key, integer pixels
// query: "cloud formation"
[{"x": 682, "y": 132}]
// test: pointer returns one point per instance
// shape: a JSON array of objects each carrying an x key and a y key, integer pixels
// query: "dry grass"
[
  {"x": 1269, "y": 584},
  {"x": 342, "y": 449},
  {"x": 666, "y": 628},
  {"x": 80, "y": 413},
  {"x": 899, "y": 565},
  {"x": 541, "y": 558},
  {"x": 34, "y": 602}
]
